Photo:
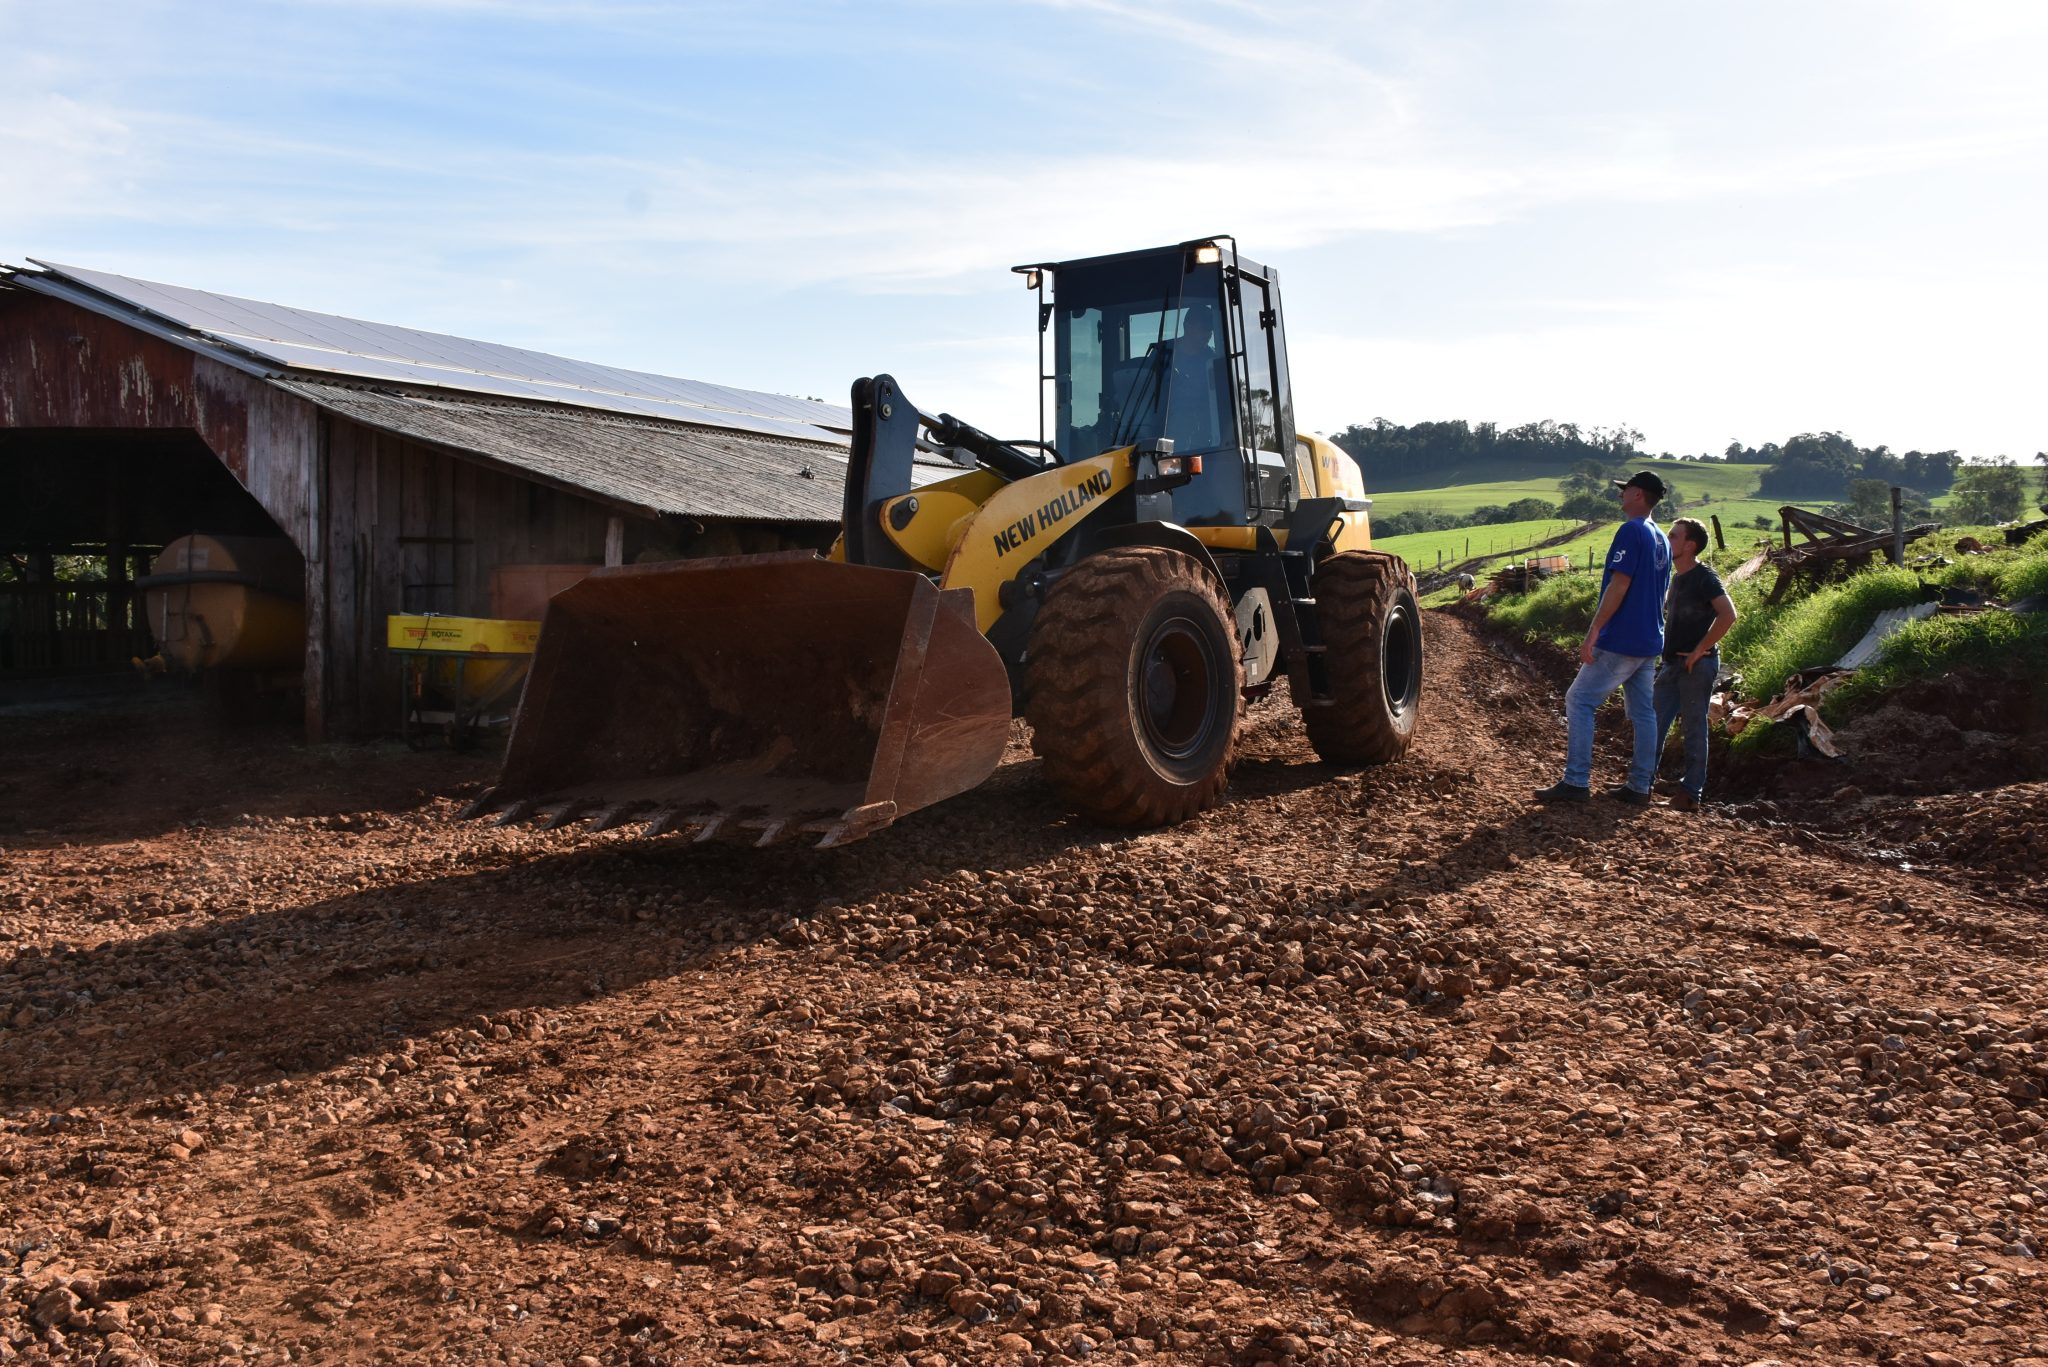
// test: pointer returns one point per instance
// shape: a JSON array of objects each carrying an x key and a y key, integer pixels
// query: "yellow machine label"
[
  {"x": 1021, "y": 533},
  {"x": 1022, "y": 520},
  {"x": 467, "y": 635}
]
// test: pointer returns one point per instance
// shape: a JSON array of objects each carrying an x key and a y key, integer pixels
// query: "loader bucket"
[{"x": 767, "y": 696}]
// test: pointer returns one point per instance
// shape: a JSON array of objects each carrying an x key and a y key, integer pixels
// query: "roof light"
[{"x": 1208, "y": 254}]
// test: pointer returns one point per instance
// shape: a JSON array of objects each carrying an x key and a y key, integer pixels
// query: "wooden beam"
[
  {"x": 119, "y": 614},
  {"x": 314, "y": 681}
]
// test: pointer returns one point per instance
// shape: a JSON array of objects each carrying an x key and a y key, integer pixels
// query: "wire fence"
[{"x": 1444, "y": 575}]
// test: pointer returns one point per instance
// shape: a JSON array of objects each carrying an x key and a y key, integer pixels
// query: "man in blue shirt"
[{"x": 1621, "y": 649}]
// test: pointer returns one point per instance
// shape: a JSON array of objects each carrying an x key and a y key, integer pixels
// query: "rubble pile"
[{"x": 1381, "y": 1066}]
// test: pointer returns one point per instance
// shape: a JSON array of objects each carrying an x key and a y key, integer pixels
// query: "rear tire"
[
  {"x": 1372, "y": 627},
  {"x": 1132, "y": 682}
]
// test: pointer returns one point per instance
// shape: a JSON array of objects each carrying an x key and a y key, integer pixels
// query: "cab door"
[{"x": 1265, "y": 411}]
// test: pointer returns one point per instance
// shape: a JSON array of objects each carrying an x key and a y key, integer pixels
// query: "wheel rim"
[
  {"x": 1401, "y": 660},
  {"x": 1176, "y": 689}
]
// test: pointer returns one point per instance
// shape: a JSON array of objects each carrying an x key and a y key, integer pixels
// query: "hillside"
[
  {"x": 1721, "y": 483},
  {"x": 1710, "y": 489}
]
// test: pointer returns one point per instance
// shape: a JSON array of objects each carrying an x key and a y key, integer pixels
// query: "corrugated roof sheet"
[
  {"x": 300, "y": 339},
  {"x": 656, "y": 467},
  {"x": 649, "y": 442}
]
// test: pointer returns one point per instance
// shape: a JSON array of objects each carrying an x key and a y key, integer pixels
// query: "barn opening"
[{"x": 84, "y": 515}]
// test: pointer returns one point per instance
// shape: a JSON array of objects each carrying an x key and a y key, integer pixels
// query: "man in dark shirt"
[
  {"x": 1697, "y": 615},
  {"x": 1621, "y": 649}
]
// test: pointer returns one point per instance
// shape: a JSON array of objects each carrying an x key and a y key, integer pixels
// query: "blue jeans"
[
  {"x": 1634, "y": 675},
  {"x": 1683, "y": 696}
]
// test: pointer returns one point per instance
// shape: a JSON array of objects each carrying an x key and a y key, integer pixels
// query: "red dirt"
[{"x": 1379, "y": 1067}]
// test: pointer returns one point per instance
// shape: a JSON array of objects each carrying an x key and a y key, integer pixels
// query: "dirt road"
[{"x": 1379, "y": 1068}]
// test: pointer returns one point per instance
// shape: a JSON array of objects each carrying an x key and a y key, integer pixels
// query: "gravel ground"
[{"x": 1385, "y": 1067}]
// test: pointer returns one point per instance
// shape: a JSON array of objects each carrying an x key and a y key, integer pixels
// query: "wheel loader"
[{"x": 1127, "y": 583}]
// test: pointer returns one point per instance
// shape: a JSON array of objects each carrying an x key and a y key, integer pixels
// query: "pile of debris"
[
  {"x": 1961, "y": 732},
  {"x": 2027, "y": 531},
  {"x": 1799, "y": 701},
  {"x": 1518, "y": 578},
  {"x": 1830, "y": 541}
]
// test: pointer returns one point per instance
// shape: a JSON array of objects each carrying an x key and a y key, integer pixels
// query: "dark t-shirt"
[{"x": 1689, "y": 611}]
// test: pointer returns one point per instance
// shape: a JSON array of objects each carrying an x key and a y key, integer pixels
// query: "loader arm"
[{"x": 886, "y": 428}]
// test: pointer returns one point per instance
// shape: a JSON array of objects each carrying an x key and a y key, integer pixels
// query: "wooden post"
[
  {"x": 45, "y": 566},
  {"x": 1898, "y": 556},
  {"x": 118, "y": 616},
  {"x": 1720, "y": 542},
  {"x": 615, "y": 540},
  {"x": 313, "y": 680}
]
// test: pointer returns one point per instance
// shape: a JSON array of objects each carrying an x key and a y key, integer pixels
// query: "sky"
[{"x": 1735, "y": 221}]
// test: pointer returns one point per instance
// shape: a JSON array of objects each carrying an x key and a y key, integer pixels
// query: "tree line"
[
  {"x": 1392, "y": 451},
  {"x": 1816, "y": 465},
  {"x": 1823, "y": 468}
]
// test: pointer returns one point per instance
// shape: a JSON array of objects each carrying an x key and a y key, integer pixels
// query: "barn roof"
[
  {"x": 651, "y": 442},
  {"x": 668, "y": 467}
]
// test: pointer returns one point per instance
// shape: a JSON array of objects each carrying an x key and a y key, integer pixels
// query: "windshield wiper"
[{"x": 1155, "y": 365}]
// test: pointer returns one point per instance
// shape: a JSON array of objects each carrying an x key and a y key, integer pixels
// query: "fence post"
[{"x": 1898, "y": 556}]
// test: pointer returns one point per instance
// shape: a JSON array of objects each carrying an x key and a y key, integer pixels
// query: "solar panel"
[{"x": 298, "y": 339}]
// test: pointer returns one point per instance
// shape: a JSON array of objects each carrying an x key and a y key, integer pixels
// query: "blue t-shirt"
[{"x": 1641, "y": 552}]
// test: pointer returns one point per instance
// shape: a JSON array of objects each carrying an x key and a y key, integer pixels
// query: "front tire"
[
  {"x": 1132, "y": 682},
  {"x": 1372, "y": 629}
]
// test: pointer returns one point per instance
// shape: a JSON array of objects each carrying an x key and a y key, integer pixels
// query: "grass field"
[
  {"x": 1711, "y": 489},
  {"x": 1421, "y": 549},
  {"x": 1730, "y": 490},
  {"x": 1459, "y": 499}
]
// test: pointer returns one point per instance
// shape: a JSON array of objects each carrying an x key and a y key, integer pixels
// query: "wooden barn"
[{"x": 408, "y": 471}]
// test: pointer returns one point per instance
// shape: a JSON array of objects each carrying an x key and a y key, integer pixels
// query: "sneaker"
[
  {"x": 1683, "y": 801},
  {"x": 1563, "y": 792},
  {"x": 1621, "y": 792}
]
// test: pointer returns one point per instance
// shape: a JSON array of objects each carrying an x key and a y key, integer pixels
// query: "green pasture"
[
  {"x": 1421, "y": 549},
  {"x": 1728, "y": 490},
  {"x": 1460, "y": 499}
]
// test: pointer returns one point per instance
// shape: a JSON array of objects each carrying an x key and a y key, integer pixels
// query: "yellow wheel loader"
[{"x": 1126, "y": 587}]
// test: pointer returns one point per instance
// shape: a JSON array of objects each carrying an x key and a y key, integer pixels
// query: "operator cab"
[{"x": 1180, "y": 342}]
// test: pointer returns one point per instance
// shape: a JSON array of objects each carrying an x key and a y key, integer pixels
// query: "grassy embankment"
[{"x": 1814, "y": 625}]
